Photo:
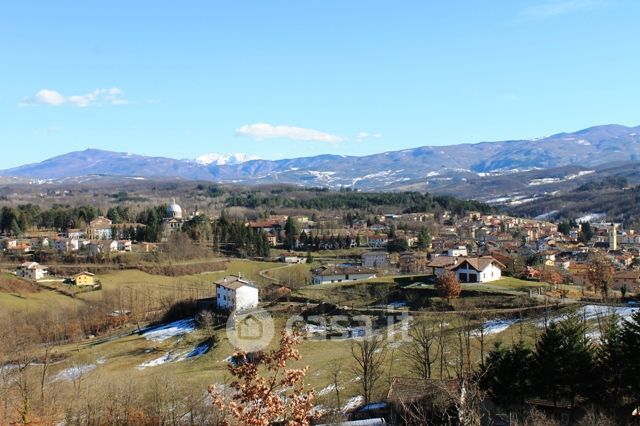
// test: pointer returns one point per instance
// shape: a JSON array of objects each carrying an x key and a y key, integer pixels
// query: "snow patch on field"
[
  {"x": 353, "y": 403},
  {"x": 329, "y": 389},
  {"x": 579, "y": 174},
  {"x": 73, "y": 373},
  {"x": 496, "y": 326},
  {"x": 167, "y": 331},
  {"x": 196, "y": 352}
]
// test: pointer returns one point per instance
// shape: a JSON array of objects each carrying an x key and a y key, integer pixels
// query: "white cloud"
[
  {"x": 268, "y": 131},
  {"x": 112, "y": 96},
  {"x": 362, "y": 136},
  {"x": 48, "y": 97},
  {"x": 553, "y": 8}
]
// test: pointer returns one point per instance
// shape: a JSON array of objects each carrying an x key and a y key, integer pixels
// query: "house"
[
  {"x": 272, "y": 239},
  {"x": 628, "y": 279},
  {"x": 332, "y": 274},
  {"x": 102, "y": 247},
  {"x": 375, "y": 259},
  {"x": 74, "y": 234},
  {"x": 441, "y": 264},
  {"x": 84, "y": 279},
  {"x": 233, "y": 293},
  {"x": 457, "y": 251},
  {"x": 21, "y": 247},
  {"x": 379, "y": 240},
  {"x": 99, "y": 229},
  {"x": 66, "y": 244},
  {"x": 32, "y": 271},
  {"x": 291, "y": 258},
  {"x": 478, "y": 269}
]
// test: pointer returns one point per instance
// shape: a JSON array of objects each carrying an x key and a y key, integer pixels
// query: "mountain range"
[{"x": 496, "y": 168}]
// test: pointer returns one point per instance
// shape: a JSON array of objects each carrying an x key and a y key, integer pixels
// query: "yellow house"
[{"x": 84, "y": 278}]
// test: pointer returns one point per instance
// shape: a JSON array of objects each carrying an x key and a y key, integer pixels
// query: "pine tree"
[
  {"x": 611, "y": 363},
  {"x": 631, "y": 354},
  {"x": 507, "y": 374},
  {"x": 291, "y": 230},
  {"x": 563, "y": 363},
  {"x": 15, "y": 228}
]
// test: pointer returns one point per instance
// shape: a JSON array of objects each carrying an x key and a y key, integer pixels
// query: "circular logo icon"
[{"x": 250, "y": 331}]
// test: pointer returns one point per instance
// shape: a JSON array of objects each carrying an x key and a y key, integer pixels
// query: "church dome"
[{"x": 174, "y": 211}]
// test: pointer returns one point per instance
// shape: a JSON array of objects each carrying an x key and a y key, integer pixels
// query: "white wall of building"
[{"x": 490, "y": 273}]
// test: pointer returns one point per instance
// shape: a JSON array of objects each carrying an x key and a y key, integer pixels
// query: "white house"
[
  {"x": 66, "y": 244},
  {"x": 478, "y": 269},
  {"x": 332, "y": 274},
  {"x": 375, "y": 259},
  {"x": 102, "y": 247},
  {"x": 236, "y": 294},
  {"x": 31, "y": 270},
  {"x": 291, "y": 258},
  {"x": 99, "y": 229},
  {"x": 457, "y": 251}
]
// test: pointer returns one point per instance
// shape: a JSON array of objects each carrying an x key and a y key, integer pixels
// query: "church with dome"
[{"x": 173, "y": 220}]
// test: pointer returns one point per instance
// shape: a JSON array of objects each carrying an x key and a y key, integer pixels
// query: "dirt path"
[{"x": 264, "y": 274}]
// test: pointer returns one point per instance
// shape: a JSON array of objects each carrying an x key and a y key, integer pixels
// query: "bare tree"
[
  {"x": 369, "y": 354},
  {"x": 336, "y": 373},
  {"x": 420, "y": 352},
  {"x": 600, "y": 273}
]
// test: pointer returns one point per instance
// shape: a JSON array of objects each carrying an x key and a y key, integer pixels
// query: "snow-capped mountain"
[
  {"x": 224, "y": 159},
  {"x": 543, "y": 165}
]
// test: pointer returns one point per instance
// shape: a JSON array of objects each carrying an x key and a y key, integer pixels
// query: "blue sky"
[{"x": 280, "y": 79}]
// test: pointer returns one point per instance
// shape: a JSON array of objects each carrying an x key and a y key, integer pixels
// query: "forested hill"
[
  {"x": 610, "y": 199},
  {"x": 323, "y": 199}
]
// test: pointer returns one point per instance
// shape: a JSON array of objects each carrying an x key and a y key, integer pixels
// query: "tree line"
[
  {"x": 408, "y": 202},
  {"x": 566, "y": 366}
]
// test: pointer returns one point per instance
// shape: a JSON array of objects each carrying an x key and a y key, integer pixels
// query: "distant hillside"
[
  {"x": 600, "y": 200},
  {"x": 428, "y": 168}
]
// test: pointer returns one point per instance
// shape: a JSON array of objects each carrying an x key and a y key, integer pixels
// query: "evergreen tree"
[
  {"x": 585, "y": 233},
  {"x": 291, "y": 231},
  {"x": 506, "y": 374},
  {"x": 611, "y": 363},
  {"x": 631, "y": 354},
  {"x": 15, "y": 228},
  {"x": 563, "y": 363},
  {"x": 424, "y": 239}
]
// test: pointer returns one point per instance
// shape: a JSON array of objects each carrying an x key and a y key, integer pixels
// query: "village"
[
  {"x": 506, "y": 276},
  {"x": 478, "y": 248}
]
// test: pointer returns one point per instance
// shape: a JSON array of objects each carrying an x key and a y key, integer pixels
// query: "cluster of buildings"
[{"x": 101, "y": 236}]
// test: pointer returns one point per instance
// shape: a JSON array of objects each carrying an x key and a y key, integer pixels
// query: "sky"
[{"x": 281, "y": 79}]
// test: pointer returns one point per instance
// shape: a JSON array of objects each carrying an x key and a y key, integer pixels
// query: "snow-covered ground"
[
  {"x": 163, "y": 332},
  {"x": 177, "y": 356},
  {"x": 73, "y": 373},
  {"x": 496, "y": 326},
  {"x": 329, "y": 389},
  {"x": 589, "y": 217},
  {"x": 353, "y": 403}
]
